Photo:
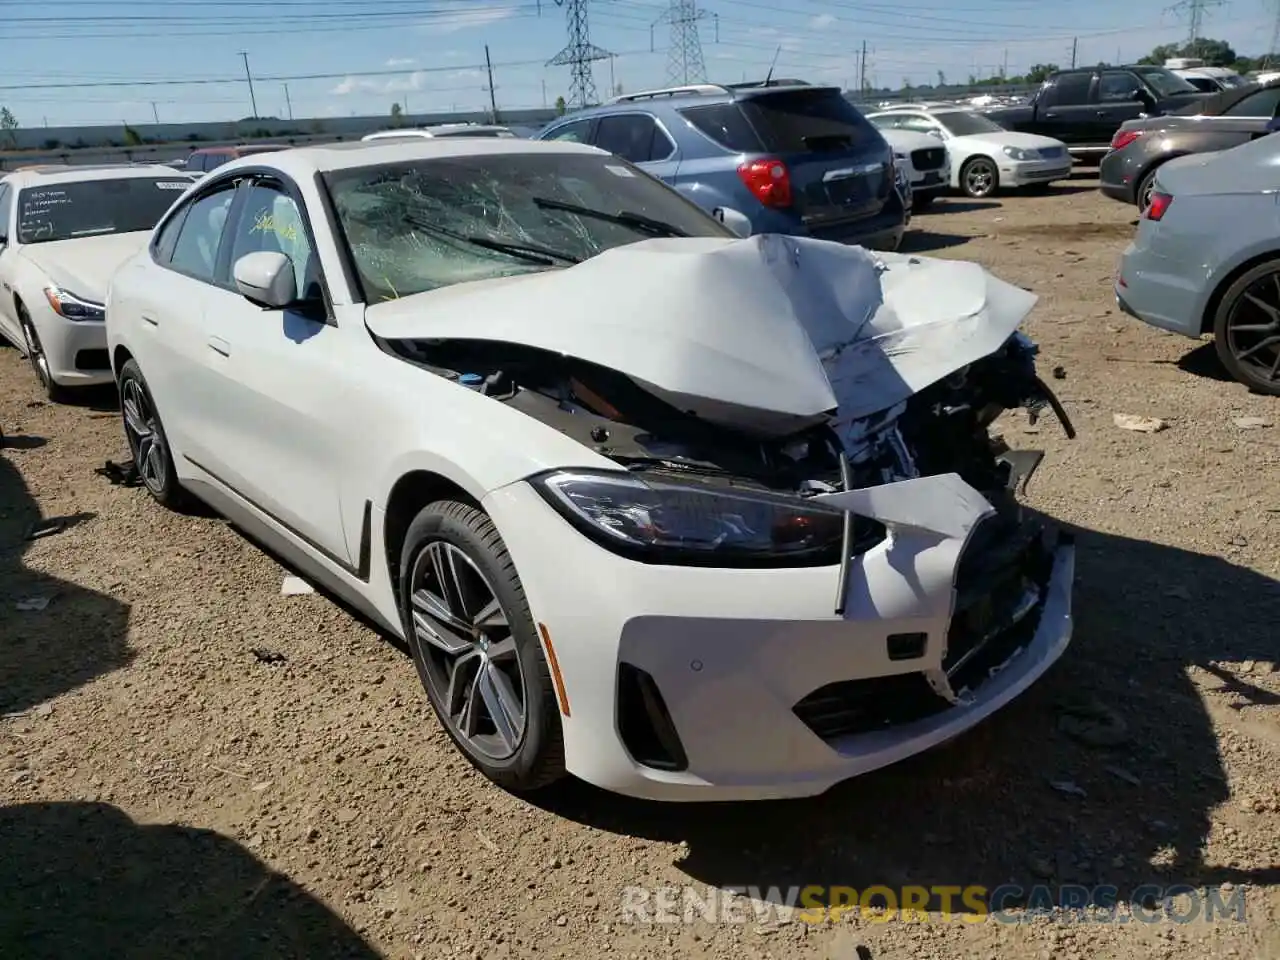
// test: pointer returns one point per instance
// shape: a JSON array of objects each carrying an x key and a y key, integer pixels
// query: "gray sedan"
[
  {"x": 1206, "y": 257},
  {"x": 1140, "y": 147}
]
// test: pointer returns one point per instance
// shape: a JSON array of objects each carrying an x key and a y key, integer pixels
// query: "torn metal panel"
[
  {"x": 764, "y": 335},
  {"x": 943, "y": 505}
]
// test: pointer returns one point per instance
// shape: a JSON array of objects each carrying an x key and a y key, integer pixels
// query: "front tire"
[
  {"x": 477, "y": 649},
  {"x": 979, "y": 178},
  {"x": 53, "y": 391},
  {"x": 1246, "y": 329},
  {"x": 145, "y": 435}
]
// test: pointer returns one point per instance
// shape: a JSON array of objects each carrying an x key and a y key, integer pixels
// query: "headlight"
[
  {"x": 67, "y": 304},
  {"x": 685, "y": 525},
  {"x": 1017, "y": 153}
]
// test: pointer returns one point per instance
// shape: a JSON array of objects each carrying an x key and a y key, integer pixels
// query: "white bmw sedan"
[{"x": 687, "y": 515}]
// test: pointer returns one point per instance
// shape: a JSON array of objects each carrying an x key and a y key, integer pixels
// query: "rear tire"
[
  {"x": 148, "y": 444},
  {"x": 53, "y": 391},
  {"x": 979, "y": 178},
  {"x": 1143, "y": 195},
  {"x": 1246, "y": 329},
  {"x": 453, "y": 568}
]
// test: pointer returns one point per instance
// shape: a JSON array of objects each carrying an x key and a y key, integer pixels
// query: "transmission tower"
[
  {"x": 684, "y": 59},
  {"x": 1270, "y": 59},
  {"x": 1195, "y": 11},
  {"x": 579, "y": 54}
]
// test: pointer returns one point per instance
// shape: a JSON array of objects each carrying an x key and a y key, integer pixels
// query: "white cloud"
[
  {"x": 408, "y": 84},
  {"x": 401, "y": 62},
  {"x": 821, "y": 21},
  {"x": 465, "y": 20}
]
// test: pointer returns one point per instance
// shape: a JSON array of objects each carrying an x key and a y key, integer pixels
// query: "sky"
[{"x": 102, "y": 61}]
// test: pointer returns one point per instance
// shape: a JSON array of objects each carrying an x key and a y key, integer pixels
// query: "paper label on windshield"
[
  {"x": 618, "y": 171},
  {"x": 172, "y": 184}
]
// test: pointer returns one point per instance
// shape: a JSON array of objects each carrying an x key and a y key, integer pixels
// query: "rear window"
[
  {"x": 91, "y": 208},
  {"x": 725, "y": 124},
  {"x": 809, "y": 121}
]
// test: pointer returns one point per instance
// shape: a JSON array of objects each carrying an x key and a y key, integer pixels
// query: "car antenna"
[{"x": 769, "y": 76}]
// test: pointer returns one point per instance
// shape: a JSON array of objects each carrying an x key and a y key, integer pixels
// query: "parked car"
[
  {"x": 63, "y": 232},
  {"x": 1203, "y": 77},
  {"x": 443, "y": 130},
  {"x": 790, "y": 158},
  {"x": 202, "y": 160},
  {"x": 983, "y": 156},
  {"x": 924, "y": 161},
  {"x": 1206, "y": 258},
  {"x": 1084, "y": 107},
  {"x": 623, "y": 481},
  {"x": 1220, "y": 122}
]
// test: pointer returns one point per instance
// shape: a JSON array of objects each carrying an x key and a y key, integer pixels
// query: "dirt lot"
[{"x": 168, "y": 792}]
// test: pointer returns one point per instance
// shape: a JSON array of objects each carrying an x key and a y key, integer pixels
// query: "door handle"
[
  {"x": 151, "y": 320},
  {"x": 1103, "y": 113},
  {"x": 218, "y": 345},
  {"x": 1051, "y": 116}
]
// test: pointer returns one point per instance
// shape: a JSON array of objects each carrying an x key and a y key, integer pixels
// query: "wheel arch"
[
  {"x": 1152, "y": 167},
  {"x": 119, "y": 357},
  {"x": 411, "y": 492},
  {"x": 973, "y": 158},
  {"x": 1223, "y": 285}
]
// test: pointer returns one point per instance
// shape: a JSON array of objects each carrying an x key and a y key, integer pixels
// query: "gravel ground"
[{"x": 169, "y": 792}]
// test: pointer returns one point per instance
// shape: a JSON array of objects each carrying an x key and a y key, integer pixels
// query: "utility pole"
[
  {"x": 1075, "y": 45},
  {"x": 154, "y": 112},
  {"x": 253, "y": 101},
  {"x": 685, "y": 63},
  {"x": 613, "y": 83},
  {"x": 544, "y": 93},
  {"x": 1195, "y": 10},
  {"x": 862, "y": 82},
  {"x": 1270, "y": 58},
  {"x": 493, "y": 96},
  {"x": 579, "y": 54},
  {"x": 287, "y": 102},
  {"x": 1004, "y": 67}
]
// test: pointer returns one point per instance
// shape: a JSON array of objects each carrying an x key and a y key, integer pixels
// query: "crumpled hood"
[
  {"x": 762, "y": 334},
  {"x": 84, "y": 266}
]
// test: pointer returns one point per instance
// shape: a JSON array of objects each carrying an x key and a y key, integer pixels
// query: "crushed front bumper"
[{"x": 712, "y": 684}]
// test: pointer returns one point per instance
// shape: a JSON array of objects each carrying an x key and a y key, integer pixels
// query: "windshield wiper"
[
  {"x": 636, "y": 221},
  {"x": 530, "y": 253}
]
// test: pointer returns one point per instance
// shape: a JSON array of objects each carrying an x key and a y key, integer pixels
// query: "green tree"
[
  {"x": 1039, "y": 72},
  {"x": 1215, "y": 53},
  {"x": 942, "y": 79},
  {"x": 8, "y": 124},
  {"x": 561, "y": 107},
  {"x": 397, "y": 114}
]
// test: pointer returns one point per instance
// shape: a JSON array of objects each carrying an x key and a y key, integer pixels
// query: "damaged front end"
[{"x": 722, "y": 470}]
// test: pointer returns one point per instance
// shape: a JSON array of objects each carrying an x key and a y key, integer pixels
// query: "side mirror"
[
  {"x": 266, "y": 278},
  {"x": 735, "y": 220},
  {"x": 935, "y": 132}
]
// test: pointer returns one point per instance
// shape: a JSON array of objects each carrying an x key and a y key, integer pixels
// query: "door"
[
  {"x": 1065, "y": 112},
  {"x": 1249, "y": 116},
  {"x": 8, "y": 316},
  {"x": 638, "y": 137},
  {"x": 274, "y": 378},
  {"x": 1120, "y": 98}
]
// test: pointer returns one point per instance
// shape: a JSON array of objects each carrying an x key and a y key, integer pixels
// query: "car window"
[
  {"x": 271, "y": 221},
  {"x": 1164, "y": 82},
  {"x": 195, "y": 163},
  {"x": 1070, "y": 90},
  {"x": 576, "y": 131},
  {"x": 413, "y": 226},
  {"x": 725, "y": 124},
  {"x": 918, "y": 122},
  {"x": 6, "y": 206},
  {"x": 68, "y": 210},
  {"x": 1261, "y": 103},
  {"x": 809, "y": 120},
  {"x": 212, "y": 161},
  {"x": 966, "y": 123},
  {"x": 887, "y": 121},
  {"x": 164, "y": 243},
  {"x": 1204, "y": 84},
  {"x": 196, "y": 252},
  {"x": 633, "y": 136},
  {"x": 1117, "y": 86}
]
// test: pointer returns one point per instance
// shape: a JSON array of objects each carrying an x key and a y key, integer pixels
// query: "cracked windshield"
[{"x": 425, "y": 224}]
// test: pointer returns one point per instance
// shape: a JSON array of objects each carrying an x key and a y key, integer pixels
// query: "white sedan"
[
  {"x": 63, "y": 232},
  {"x": 985, "y": 157},
  {"x": 690, "y": 516}
]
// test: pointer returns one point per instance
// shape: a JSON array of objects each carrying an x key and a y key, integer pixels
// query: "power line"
[
  {"x": 684, "y": 62},
  {"x": 579, "y": 54}
]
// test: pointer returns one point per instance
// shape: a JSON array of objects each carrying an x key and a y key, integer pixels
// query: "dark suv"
[
  {"x": 791, "y": 157},
  {"x": 1084, "y": 108}
]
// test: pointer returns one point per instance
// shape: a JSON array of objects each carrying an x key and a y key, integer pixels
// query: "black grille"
[
  {"x": 931, "y": 158},
  {"x": 861, "y": 706},
  {"x": 92, "y": 360},
  {"x": 644, "y": 723}
]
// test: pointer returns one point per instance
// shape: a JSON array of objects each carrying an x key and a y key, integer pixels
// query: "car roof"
[
  {"x": 302, "y": 162},
  {"x": 243, "y": 148},
  {"x": 72, "y": 174},
  {"x": 438, "y": 130},
  {"x": 707, "y": 93}
]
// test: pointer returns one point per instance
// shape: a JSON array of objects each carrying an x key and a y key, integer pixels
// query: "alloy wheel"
[
  {"x": 1144, "y": 197},
  {"x": 35, "y": 352},
  {"x": 1253, "y": 329},
  {"x": 979, "y": 178},
  {"x": 146, "y": 439},
  {"x": 468, "y": 650}
]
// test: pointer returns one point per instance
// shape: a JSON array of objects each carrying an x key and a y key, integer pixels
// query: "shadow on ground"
[
  {"x": 955, "y": 205},
  {"x": 982, "y": 809},
  {"x": 54, "y": 635},
  {"x": 83, "y": 880},
  {"x": 923, "y": 241},
  {"x": 1203, "y": 362}
]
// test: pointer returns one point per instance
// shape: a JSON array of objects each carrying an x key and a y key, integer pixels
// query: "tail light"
[
  {"x": 1158, "y": 206},
  {"x": 1123, "y": 138},
  {"x": 768, "y": 180}
]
